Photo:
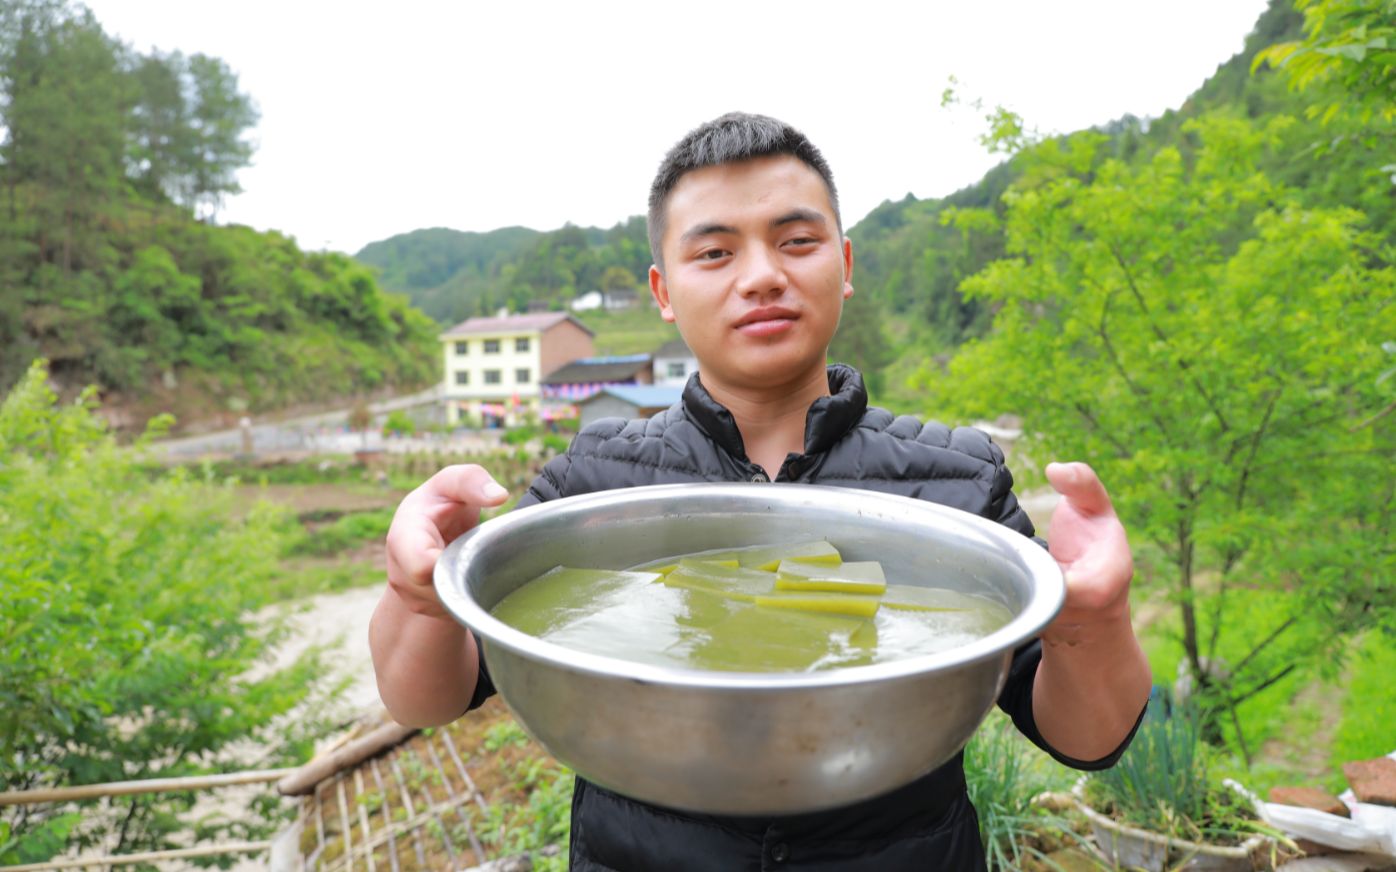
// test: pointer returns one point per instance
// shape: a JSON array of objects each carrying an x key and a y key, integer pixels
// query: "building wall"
[
  {"x": 563, "y": 343},
  {"x": 476, "y": 362},
  {"x": 605, "y": 406},
  {"x": 661, "y": 370}
]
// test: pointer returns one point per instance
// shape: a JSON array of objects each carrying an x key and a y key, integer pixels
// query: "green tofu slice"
[
  {"x": 763, "y": 557},
  {"x": 758, "y": 640},
  {"x": 758, "y": 587},
  {"x": 862, "y": 577},
  {"x": 736, "y": 583}
]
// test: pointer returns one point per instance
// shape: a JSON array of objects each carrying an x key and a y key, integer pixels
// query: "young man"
[{"x": 752, "y": 265}]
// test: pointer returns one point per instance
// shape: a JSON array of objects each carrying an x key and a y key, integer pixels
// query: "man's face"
[{"x": 755, "y": 271}]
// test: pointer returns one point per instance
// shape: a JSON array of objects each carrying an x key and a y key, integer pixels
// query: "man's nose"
[{"x": 762, "y": 273}]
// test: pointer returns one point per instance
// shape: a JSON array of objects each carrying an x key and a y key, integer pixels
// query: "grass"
[
  {"x": 1004, "y": 773},
  {"x": 1369, "y": 709},
  {"x": 628, "y": 331},
  {"x": 1291, "y": 729}
]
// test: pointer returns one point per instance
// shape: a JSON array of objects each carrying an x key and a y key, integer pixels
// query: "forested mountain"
[
  {"x": 452, "y": 275},
  {"x": 112, "y": 167}
]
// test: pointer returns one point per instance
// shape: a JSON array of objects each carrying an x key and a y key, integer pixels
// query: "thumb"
[{"x": 1078, "y": 483}]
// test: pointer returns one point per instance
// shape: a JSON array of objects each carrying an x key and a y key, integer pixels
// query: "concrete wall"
[{"x": 605, "y": 406}]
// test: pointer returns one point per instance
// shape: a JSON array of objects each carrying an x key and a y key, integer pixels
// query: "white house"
[{"x": 674, "y": 363}]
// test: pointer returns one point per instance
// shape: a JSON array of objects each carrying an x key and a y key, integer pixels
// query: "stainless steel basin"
[{"x": 748, "y": 743}]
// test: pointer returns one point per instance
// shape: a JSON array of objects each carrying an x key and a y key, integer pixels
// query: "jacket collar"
[{"x": 828, "y": 420}]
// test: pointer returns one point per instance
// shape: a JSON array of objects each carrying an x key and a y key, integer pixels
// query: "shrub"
[
  {"x": 129, "y": 634},
  {"x": 399, "y": 424}
]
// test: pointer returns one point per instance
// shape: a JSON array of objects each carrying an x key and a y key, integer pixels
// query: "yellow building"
[{"x": 493, "y": 366}]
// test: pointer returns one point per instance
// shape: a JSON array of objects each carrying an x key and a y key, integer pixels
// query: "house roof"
[
  {"x": 640, "y": 396},
  {"x": 598, "y": 369},
  {"x": 539, "y": 321},
  {"x": 673, "y": 348}
]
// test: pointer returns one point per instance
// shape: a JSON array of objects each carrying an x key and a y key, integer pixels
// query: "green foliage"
[
  {"x": 521, "y": 435},
  {"x": 1003, "y": 775},
  {"x": 1162, "y": 780},
  {"x": 1213, "y": 347},
  {"x": 503, "y": 734},
  {"x": 399, "y": 423},
  {"x": 546, "y": 820},
  {"x": 452, "y": 275},
  {"x": 1349, "y": 49},
  {"x": 128, "y": 633},
  {"x": 343, "y": 533},
  {"x": 1369, "y": 708},
  {"x": 105, "y": 157}
]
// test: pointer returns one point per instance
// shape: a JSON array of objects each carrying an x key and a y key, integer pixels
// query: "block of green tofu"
[
  {"x": 861, "y": 577},
  {"x": 757, "y": 640},
  {"x": 666, "y": 565},
  {"x": 737, "y": 583},
  {"x": 820, "y": 601},
  {"x": 563, "y": 594},
  {"x": 764, "y": 557}
]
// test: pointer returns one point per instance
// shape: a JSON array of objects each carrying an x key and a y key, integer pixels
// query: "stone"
[
  {"x": 1309, "y": 797},
  {"x": 1372, "y": 781}
]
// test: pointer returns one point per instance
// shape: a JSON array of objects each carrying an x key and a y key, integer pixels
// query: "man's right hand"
[
  {"x": 425, "y": 662},
  {"x": 441, "y": 509}
]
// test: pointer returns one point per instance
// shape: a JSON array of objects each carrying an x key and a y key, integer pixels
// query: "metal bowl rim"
[{"x": 1040, "y": 609}]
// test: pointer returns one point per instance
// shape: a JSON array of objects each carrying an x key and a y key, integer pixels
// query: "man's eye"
[
  {"x": 802, "y": 240},
  {"x": 712, "y": 254}
]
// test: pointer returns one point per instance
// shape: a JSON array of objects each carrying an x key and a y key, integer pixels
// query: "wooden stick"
[
  {"x": 145, "y": 857},
  {"x": 304, "y": 779},
  {"x": 149, "y": 785}
]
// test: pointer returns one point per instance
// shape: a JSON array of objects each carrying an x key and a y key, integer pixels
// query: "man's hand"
[
  {"x": 445, "y": 506},
  {"x": 1088, "y": 542},
  {"x": 427, "y": 663},
  {"x": 1093, "y": 679}
]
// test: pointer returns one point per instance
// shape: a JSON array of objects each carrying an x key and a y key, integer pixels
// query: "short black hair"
[{"x": 733, "y": 138}]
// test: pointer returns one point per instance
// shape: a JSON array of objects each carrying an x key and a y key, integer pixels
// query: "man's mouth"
[{"x": 767, "y": 321}]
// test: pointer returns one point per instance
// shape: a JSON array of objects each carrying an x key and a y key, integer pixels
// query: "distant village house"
[{"x": 494, "y": 366}]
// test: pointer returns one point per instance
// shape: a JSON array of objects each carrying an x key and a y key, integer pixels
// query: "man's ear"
[
  {"x": 660, "y": 291},
  {"x": 847, "y": 267}
]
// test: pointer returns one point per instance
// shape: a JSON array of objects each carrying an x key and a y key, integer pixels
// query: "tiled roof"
[
  {"x": 539, "y": 321},
  {"x": 599, "y": 369}
]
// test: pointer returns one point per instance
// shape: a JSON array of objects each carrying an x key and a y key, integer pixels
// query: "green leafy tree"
[
  {"x": 861, "y": 339},
  {"x": 1213, "y": 347},
  {"x": 129, "y": 636},
  {"x": 1349, "y": 48}
]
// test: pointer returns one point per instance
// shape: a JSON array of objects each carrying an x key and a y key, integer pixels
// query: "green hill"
[
  {"x": 108, "y": 159},
  {"x": 452, "y": 275}
]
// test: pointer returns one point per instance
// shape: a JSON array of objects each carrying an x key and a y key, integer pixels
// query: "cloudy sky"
[{"x": 379, "y": 118}]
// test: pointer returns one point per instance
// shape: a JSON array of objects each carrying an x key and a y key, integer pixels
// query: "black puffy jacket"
[{"x": 928, "y": 824}]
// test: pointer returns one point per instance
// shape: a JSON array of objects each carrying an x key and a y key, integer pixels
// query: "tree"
[
  {"x": 1349, "y": 48},
  {"x": 862, "y": 341},
  {"x": 130, "y": 635},
  {"x": 1214, "y": 348},
  {"x": 220, "y": 116}
]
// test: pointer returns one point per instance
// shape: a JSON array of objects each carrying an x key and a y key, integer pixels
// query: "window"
[
  {"x": 492, "y": 377},
  {"x": 521, "y": 344},
  {"x": 521, "y": 376},
  {"x": 462, "y": 376},
  {"x": 462, "y": 348},
  {"x": 491, "y": 346},
  {"x": 676, "y": 369}
]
